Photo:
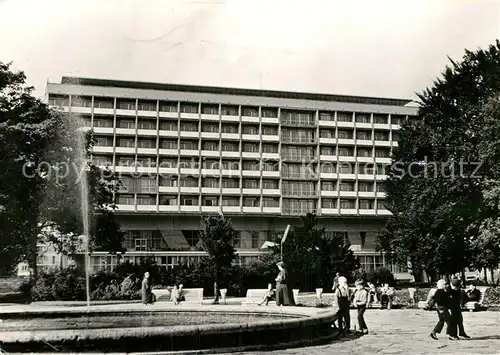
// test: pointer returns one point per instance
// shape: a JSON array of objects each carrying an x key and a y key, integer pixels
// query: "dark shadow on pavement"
[
  {"x": 487, "y": 337},
  {"x": 348, "y": 337}
]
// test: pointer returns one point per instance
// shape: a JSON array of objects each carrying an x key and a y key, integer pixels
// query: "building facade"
[{"x": 264, "y": 158}]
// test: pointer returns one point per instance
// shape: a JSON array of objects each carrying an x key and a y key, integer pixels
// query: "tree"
[
  {"x": 434, "y": 190},
  {"x": 217, "y": 239}
]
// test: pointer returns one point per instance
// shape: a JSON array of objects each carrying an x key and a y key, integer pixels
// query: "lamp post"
[{"x": 283, "y": 240}]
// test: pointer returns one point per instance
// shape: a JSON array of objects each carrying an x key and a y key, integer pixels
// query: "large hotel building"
[{"x": 263, "y": 158}]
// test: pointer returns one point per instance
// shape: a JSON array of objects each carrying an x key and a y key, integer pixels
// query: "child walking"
[
  {"x": 343, "y": 298},
  {"x": 360, "y": 300}
]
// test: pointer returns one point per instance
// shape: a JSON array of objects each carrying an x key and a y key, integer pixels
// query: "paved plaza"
[{"x": 407, "y": 332}]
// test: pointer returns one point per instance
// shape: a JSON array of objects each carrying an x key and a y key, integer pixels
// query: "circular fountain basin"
[{"x": 164, "y": 327}]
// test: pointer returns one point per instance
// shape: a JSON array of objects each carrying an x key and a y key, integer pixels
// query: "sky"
[{"x": 377, "y": 48}]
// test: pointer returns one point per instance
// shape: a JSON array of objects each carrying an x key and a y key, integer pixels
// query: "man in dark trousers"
[
  {"x": 457, "y": 300},
  {"x": 441, "y": 299}
]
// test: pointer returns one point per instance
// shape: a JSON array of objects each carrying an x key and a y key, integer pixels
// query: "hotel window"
[
  {"x": 168, "y": 126},
  {"x": 192, "y": 163},
  {"x": 231, "y": 201},
  {"x": 126, "y": 143},
  {"x": 147, "y": 185},
  {"x": 362, "y": 118},
  {"x": 189, "y": 201},
  {"x": 269, "y": 148},
  {"x": 210, "y": 182},
  {"x": 141, "y": 244},
  {"x": 59, "y": 100},
  {"x": 327, "y": 133},
  {"x": 381, "y": 205},
  {"x": 168, "y": 144},
  {"x": 146, "y": 105},
  {"x": 211, "y": 164},
  {"x": 251, "y": 201},
  {"x": 299, "y": 171},
  {"x": 168, "y": 163},
  {"x": 210, "y": 109},
  {"x": 327, "y": 151},
  {"x": 365, "y": 187},
  {"x": 230, "y": 128},
  {"x": 297, "y": 118},
  {"x": 269, "y": 131},
  {"x": 100, "y": 160},
  {"x": 382, "y": 169},
  {"x": 102, "y": 102},
  {"x": 329, "y": 203},
  {"x": 344, "y": 117},
  {"x": 146, "y": 143},
  {"x": 128, "y": 184},
  {"x": 251, "y": 147},
  {"x": 103, "y": 122},
  {"x": 189, "y": 127},
  {"x": 347, "y": 186},
  {"x": 379, "y": 261},
  {"x": 189, "y": 145},
  {"x": 237, "y": 240},
  {"x": 210, "y": 145},
  {"x": 297, "y": 153},
  {"x": 230, "y": 165},
  {"x": 230, "y": 183},
  {"x": 168, "y": 200},
  {"x": 380, "y": 119},
  {"x": 364, "y": 135},
  {"x": 146, "y": 162},
  {"x": 366, "y": 262},
  {"x": 126, "y": 199},
  {"x": 395, "y": 136},
  {"x": 344, "y": 134},
  {"x": 298, "y": 135},
  {"x": 380, "y": 187},
  {"x": 168, "y": 106},
  {"x": 146, "y": 124},
  {"x": 270, "y": 112},
  {"x": 126, "y": 124},
  {"x": 250, "y": 112},
  {"x": 210, "y": 201},
  {"x": 124, "y": 104},
  {"x": 170, "y": 181},
  {"x": 298, "y": 188},
  {"x": 230, "y": 146},
  {"x": 126, "y": 161},
  {"x": 251, "y": 165},
  {"x": 381, "y": 136},
  {"x": 365, "y": 152},
  {"x": 382, "y": 153},
  {"x": 366, "y": 204},
  {"x": 104, "y": 141},
  {"x": 347, "y": 204},
  {"x": 296, "y": 206},
  {"x": 270, "y": 166},
  {"x": 255, "y": 240},
  {"x": 329, "y": 185},
  {"x": 326, "y": 116},
  {"x": 229, "y": 110},
  {"x": 210, "y": 127},
  {"x": 367, "y": 169},
  {"x": 189, "y": 182},
  {"x": 346, "y": 151},
  {"x": 81, "y": 101},
  {"x": 270, "y": 202},
  {"x": 189, "y": 108},
  {"x": 270, "y": 184},
  {"x": 146, "y": 200},
  {"x": 397, "y": 119},
  {"x": 251, "y": 184},
  {"x": 247, "y": 129}
]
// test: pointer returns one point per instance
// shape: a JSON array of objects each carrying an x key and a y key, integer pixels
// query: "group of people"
[
  {"x": 449, "y": 299},
  {"x": 343, "y": 297},
  {"x": 283, "y": 294},
  {"x": 148, "y": 297}
]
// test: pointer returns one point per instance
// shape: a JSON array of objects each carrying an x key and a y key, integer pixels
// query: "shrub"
[
  {"x": 381, "y": 276},
  {"x": 492, "y": 296}
]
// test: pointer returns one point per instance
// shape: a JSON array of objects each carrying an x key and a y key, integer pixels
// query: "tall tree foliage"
[
  {"x": 35, "y": 144},
  {"x": 436, "y": 183}
]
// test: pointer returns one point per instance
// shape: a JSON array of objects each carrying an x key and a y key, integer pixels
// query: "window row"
[
  {"x": 150, "y": 184},
  {"x": 194, "y": 200}
]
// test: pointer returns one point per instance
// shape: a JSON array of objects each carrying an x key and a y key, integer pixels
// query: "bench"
[{"x": 192, "y": 295}]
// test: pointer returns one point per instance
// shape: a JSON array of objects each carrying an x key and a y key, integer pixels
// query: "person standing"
[
  {"x": 284, "y": 296},
  {"x": 360, "y": 300},
  {"x": 457, "y": 300},
  {"x": 343, "y": 298},
  {"x": 335, "y": 281},
  {"x": 473, "y": 294},
  {"x": 440, "y": 298},
  {"x": 146, "y": 294}
]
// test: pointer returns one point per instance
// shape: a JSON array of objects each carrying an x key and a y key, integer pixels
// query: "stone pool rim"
[{"x": 294, "y": 319}]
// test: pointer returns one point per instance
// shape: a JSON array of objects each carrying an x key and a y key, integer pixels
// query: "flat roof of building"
[{"x": 234, "y": 91}]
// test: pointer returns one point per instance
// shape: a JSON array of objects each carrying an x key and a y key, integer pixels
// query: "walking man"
[
  {"x": 360, "y": 300},
  {"x": 457, "y": 300},
  {"x": 441, "y": 300}
]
